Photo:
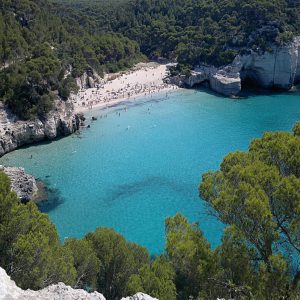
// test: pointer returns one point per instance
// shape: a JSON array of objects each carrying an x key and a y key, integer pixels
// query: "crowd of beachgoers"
[{"x": 144, "y": 80}]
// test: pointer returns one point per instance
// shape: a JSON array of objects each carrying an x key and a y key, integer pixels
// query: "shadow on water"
[
  {"x": 127, "y": 190},
  {"x": 52, "y": 199},
  {"x": 249, "y": 90}
]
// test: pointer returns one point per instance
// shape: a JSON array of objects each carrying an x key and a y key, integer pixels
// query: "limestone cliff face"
[
  {"x": 15, "y": 133},
  {"x": 88, "y": 79},
  {"x": 10, "y": 291},
  {"x": 278, "y": 68},
  {"x": 222, "y": 81}
]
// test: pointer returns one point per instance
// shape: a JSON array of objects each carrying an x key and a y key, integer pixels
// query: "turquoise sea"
[{"x": 130, "y": 172}]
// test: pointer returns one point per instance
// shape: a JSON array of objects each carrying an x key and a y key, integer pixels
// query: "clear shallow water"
[{"x": 132, "y": 179}]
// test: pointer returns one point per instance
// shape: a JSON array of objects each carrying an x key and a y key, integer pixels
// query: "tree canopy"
[
  {"x": 42, "y": 50},
  {"x": 257, "y": 193},
  {"x": 194, "y": 31},
  {"x": 44, "y": 45}
]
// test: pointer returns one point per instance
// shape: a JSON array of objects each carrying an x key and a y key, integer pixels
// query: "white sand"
[{"x": 144, "y": 79}]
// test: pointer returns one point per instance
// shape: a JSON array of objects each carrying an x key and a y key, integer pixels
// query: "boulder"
[
  {"x": 225, "y": 84},
  {"x": 297, "y": 75},
  {"x": 22, "y": 183},
  {"x": 82, "y": 81},
  {"x": 10, "y": 291},
  {"x": 139, "y": 296}
]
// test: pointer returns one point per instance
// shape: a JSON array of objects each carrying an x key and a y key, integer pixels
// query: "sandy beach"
[{"x": 144, "y": 79}]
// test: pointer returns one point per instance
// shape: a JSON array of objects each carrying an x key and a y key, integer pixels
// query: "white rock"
[
  {"x": 50, "y": 126},
  {"x": 196, "y": 77},
  {"x": 23, "y": 184},
  {"x": 139, "y": 296},
  {"x": 225, "y": 85},
  {"x": 10, "y": 291},
  {"x": 223, "y": 81},
  {"x": 15, "y": 133},
  {"x": 279, "y": 68}
]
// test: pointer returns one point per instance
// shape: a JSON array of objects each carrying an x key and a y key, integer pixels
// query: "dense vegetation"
[
  {"x": 41, "y": 53},
  {"x": 255, "y": 193},
  {"x": 45, "y": 45},
  {"x": 194, "y": 31}
]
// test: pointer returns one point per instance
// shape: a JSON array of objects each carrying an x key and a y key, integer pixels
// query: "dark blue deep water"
[{"x": 133, "y": 171}]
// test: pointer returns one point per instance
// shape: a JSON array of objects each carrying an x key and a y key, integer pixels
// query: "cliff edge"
[
  {"x": 15, "y": 133},
  {"x": 10, "y": 291},
  {"x": 23, "y": 184},
  {"x": 278, "y": 68}
]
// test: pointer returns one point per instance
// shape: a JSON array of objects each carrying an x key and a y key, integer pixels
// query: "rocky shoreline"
[
  {"x": 15, "y": 133},
  {"x": 278, "y": 68},
  {"x": 25, "y": 185}
]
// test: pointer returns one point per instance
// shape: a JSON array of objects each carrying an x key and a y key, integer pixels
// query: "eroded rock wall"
[
  {"x": 15, "y": 133},
  {"x": 222, "y": 81},
  {"x": 277, "y": 68}
]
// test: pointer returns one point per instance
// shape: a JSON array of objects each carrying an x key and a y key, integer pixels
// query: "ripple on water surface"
[{"x": 132, "y": 171}]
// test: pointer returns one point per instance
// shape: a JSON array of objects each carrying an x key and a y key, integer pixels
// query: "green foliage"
[
  {"x": 258, "y": 193},
  {"x": 155, "y": 279},
  {"x": 29, "y": 246},
  {"x": 31, "y": 253},
  {"x": 190, "y": 255},
  {"x": 255, "y": 193},
  {"x": 40, "y": 42},
  {"x": 194, "y": 31},
  {"x": 67, "y": 86},
  {"x": 43, "y": 41},
  {"x": 119, "y": 260},
  {"x": 86, "y": 262}
]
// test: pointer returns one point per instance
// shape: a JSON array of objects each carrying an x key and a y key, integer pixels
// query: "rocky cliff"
[
  {"x": 22, "y": 183},
  {"x": 10, "y": 291},
  {"x": 277, "y": 68},
  {"x": 88, "y": 79},
  {"x": 15, "y": 133}
]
